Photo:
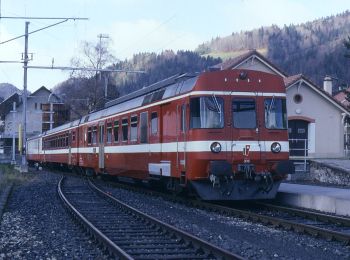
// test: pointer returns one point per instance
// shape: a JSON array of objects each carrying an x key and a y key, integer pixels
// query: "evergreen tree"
[{"x": 347, "y": 46}]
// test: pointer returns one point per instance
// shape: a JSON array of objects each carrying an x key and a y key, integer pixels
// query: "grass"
[
  {"x": 232, "y": 54},
  {"x": 8, "y": 175}
]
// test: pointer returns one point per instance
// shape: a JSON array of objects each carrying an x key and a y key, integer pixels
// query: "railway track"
[
  {"x": 313, "y": 223},
  {"x": 128, "y": 233},
  {"x": 4, "y": 196}
]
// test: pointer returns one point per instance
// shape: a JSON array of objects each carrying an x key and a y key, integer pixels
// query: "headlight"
[
  {"x": 215, "y": 147},
  {"x": 275, "y": 147}
]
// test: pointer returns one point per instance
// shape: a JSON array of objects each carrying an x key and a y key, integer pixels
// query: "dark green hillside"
[{"x": 314, "y": 48}]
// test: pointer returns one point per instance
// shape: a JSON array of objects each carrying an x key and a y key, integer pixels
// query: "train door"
[
  {"x": 70, "y": 147},
  {"x": 181, "y": 141},
  {"x": 245, "y": 146},
  {"x": 168, "y": 137},
  {"x": 101, "y": 150},
  {"x": 144, "y": 137}
]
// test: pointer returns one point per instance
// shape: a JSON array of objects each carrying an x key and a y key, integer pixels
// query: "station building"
[
  {"x": 45, "y": 110},
  {"x": 318, "y": 123}
]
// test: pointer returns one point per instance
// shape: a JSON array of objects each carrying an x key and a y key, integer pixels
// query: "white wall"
[{"x": 327, "y": 132}]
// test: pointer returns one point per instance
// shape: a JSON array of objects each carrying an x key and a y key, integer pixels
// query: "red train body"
[{"x": 222, "y": 134}]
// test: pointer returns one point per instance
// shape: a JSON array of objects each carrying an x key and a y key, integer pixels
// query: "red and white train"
[{"x": 222, "y": 134}]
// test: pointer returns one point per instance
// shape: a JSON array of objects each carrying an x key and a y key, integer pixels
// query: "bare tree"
[{"x": 98, "y": 56}]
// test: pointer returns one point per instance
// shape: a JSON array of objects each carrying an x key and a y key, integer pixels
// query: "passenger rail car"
[{"x": 222, "y": 134}]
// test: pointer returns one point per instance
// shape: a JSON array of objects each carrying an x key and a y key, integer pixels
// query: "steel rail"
[
  {"x": 112, "y": 247},
  {"x": 278, "y": 222},
  {"x": 195, "y": 240},
  {"x": 309, "y": 214},
  {"x": 4, "y": 196}
]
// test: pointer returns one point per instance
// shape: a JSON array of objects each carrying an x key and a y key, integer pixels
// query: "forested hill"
[{"x": 314, "y": 48}]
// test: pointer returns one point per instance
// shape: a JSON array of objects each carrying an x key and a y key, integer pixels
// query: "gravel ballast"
[
  {"x": 35, "y": 225},
  {"x": 251, "y": 240}
]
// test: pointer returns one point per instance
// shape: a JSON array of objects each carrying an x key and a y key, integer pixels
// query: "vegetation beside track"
[{"x": 8, "y": 175}]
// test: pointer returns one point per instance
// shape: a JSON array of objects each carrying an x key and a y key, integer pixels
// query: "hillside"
[
  {"x": 7, "y": 90},
  {"x": 314, "y": 48},
  {"x": 86, "y": 94}
]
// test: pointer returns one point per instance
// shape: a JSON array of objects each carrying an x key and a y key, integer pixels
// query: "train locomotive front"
[{"x": 237, "y": 142}]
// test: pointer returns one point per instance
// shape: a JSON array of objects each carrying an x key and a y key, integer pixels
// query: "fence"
[{"x": 300, "y": 161}]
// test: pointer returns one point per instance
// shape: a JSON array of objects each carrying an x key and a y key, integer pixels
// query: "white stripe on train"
[{"x": 193, "y": 146}]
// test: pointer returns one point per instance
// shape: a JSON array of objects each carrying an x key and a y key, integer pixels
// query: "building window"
[
  {"x": 36, "y": 106},
  {"x": 298, "y": 98},
  {"x": 116, "y": 131},
  {"x": 154, "y": 123},
  {"x": 109, "y": 132},
  {"x": 125, "y": 129},
  {"x": 133, "y": 128}
]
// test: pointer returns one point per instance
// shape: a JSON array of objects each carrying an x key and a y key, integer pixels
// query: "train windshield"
[
  {"x": 275, "y": 113},
  {"x": 207, "y": 112},
  {"x": 244, "y": 113}
]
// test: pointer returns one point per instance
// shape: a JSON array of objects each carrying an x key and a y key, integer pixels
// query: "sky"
[{"x": 134, "y": 26}]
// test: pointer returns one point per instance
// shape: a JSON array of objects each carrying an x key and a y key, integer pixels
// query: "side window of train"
[
  {"x": 109, "y": 132},
  {"x": 101, "y": 135},
  {"x": 154, "y": 123},
  {"x": 125, "y": 129},
  {"x": 144, "y": 127},
  {"x": 89, "y": 135},
  {"x": 94, "y": 134},
  {"x": 244, "y": 113},
  {"x": 116, "y": 131},
  {"x": 133, "y": 128},
  {"x": 183, "y": 118}
]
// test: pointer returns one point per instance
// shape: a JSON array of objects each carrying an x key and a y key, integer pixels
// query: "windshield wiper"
[{"x": 217, "y": 105}]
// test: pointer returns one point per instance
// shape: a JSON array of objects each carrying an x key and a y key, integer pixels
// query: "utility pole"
[
  {"x": 105, "y": 79},
  {"x": 13, "y": 161},
  {"x": 24, "y": 166}
]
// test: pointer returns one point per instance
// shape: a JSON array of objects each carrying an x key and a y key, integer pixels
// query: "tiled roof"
[
  {"x": 341, "y": 97},
  {"x": 290, "y": 80},
  {"x": 295, "y": 78},
  {"x": 233, "y": 62}
]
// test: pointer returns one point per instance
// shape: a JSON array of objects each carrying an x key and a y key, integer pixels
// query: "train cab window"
[
  {"x": 116, "y": 131},
  {"x": 244, "y": 113},
  {"x": 207, "y": 112},
  {"x": 275, "y": 113},
  {"x": 89, "y": 135},
  {"x": 109, "y": 132},
  {"x": 125, "y": 129},
  {"x": 94, "y": 134},
  {"x": 133, "y": 128},
  {"x": 154, "y": 123},
  {"x": 144, "y": 127}
]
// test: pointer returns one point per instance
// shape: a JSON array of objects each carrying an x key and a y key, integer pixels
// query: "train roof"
[
  {"x": 175, "y": 85},
  {"x": 172, "y": 86}
]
